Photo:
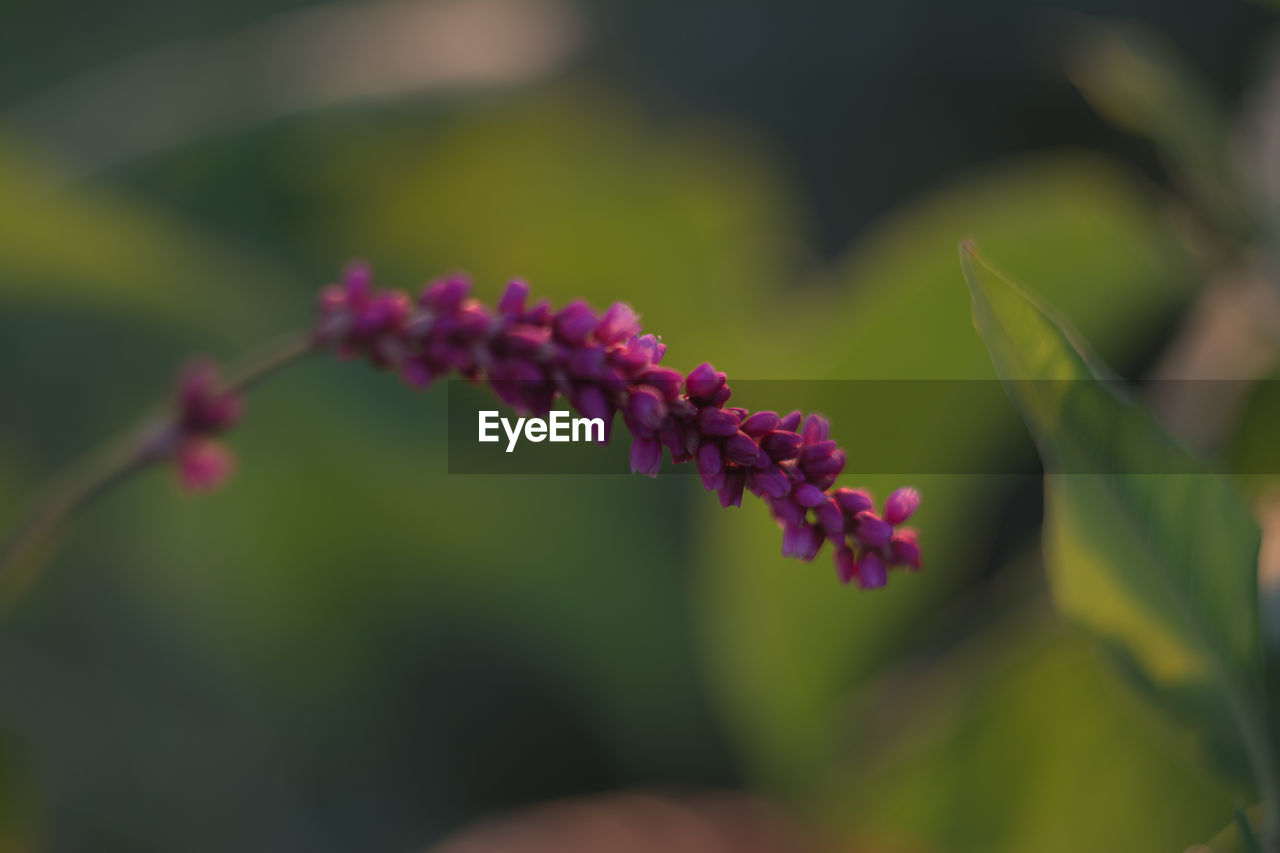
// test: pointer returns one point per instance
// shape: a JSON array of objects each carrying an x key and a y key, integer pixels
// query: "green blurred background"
[{"x": 348, "y": 649}]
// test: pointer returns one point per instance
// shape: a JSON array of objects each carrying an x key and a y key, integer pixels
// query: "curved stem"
[
  {"x": 267, "y": 362},
  {"x": 116, "y": 461}
]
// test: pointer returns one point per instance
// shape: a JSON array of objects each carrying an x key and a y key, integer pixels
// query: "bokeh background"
[{"x": 349, "y": 649}]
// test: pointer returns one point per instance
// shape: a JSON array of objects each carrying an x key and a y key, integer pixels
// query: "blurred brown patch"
[{"x": 638, "y": 823}]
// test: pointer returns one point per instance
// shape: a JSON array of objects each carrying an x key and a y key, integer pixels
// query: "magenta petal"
[
  {"x": 872, "y": 531},
  {"x": 525, "y": 339},
  {"x": 814, "y": 453},
  {"x": 357, "y": 282},
  {"x": 731, "y": 492},
  {"x": 586, "y": 362},
  {"x": 513, "y": 298},
  {"x": 854, "y": 501},
  {"x": 665, "y": 380},
  {"x": 827, "y": 467},
  {"x": 703, "y": 381},
  {"x": 905, "y": 549},
  {"x": 831, "y": 519},
  {"x": 651, "y": 347},
  {"x": 807, "y": 494},
  {"x": 741, "y": 449},
  {"x": 447, "y": 294},
  {"x": 801, "y": 541},
  {"x": 574, "y": 322},
  {"x": 711, "y": 466},
  {"x": 816, "y": 428},
  {"x": 647, "y": 408},
  {"x": 787, "y": 511},
  {"x": 781, "y": 444},
  {"x": 204, "y": 465},
  {"x": 416, "y": 374},
  {"x": 771, "y": 481},
  {"x": 590, "y": 402},
  {"x": 618, "y": 324},
  {"x": 202, "y": 407},
  {"x": 846, "y": 565},
  {"x": 900, "y": 505},
  {"x": 646, "y": 456},
  {"x": 871, "y": 571},
  {"x": 760, "y": 423},
  {"x": 717, "y": 422}
]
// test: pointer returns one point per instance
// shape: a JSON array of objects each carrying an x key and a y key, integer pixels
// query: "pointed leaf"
[{"x": 1153, "y": 554}]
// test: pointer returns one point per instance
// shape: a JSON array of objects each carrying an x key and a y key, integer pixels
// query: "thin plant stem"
[{"x": 118, "y": 460}]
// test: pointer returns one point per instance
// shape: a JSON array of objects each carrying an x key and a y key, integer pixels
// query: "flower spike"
[{"x": 602, "y": 364}]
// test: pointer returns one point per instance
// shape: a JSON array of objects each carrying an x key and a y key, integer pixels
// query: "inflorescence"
[{"x": 602, "y": 365}]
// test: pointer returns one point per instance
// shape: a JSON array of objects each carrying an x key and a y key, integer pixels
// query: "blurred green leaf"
[
  {"x": 785, "y": 641},
  {"x": 1161, "y": 567},
  {"x": 1013, "y": 763},
  {"x": 1136, "y": 79},
  {"x": 1239, "y": 836},
  {"x": 18, "y": 800},
  {"x": 104, "y": 250},
  {"x": 581, "y": 196}
]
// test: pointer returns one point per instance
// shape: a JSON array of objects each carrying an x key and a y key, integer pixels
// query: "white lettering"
[
  {"x": 488, "y": 421},
  {"x": 589, "y": 424},
  {"x": 559, "y": 428},
  {"x": 559, "y": 425},
  {"x": 513, "y": 435}
]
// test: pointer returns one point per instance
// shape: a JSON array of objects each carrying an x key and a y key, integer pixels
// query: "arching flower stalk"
[{"x": 603, "y": 365}]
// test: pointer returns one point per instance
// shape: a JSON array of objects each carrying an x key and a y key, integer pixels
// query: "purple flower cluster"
[
  {"x": 601, "y": 363},
  {"x": 202, "y": 410}
]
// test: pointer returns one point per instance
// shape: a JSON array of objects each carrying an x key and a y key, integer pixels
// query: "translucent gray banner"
[{"x": 906, "y": 427}]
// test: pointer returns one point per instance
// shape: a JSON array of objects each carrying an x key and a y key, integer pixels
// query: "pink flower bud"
[
  {"x": 771, "y": 481},
  {"x": 854, "y": 501},
  {"x": 872, "y": 531},
  {"x": 646, "y": 456},
  {"x": 618, "y": 323},
  {"x": 203, "y": 465},
  {"x": 513, "y": 298},
  {"x": 801, "y": 541},
  {"x": 741, "y": 449},
  {"x": 871, "y": 571},
  {"x": 574, "y": 322},
  {"x": 711, "y": 466},
  {"x": 846, "y": 564},
  {"x": 646, "y": 408},
  {"x": 831, "y": 519},
  {"x": 905, "y": 549},
  {"x": 781, "y": 444},
  {"x": 357, "y": 283},
  {"x": 816, "y": 428},
  {"x": 666, "y": 380},
  {"x": 900, "y": 505},
  {"x": 445, "y": 295},
  {"x": 731, "y": 492},
  {"x": 807, "y": 494},
  {"x": 703, "y": 381},
  {"x": 717, "y": 422}
]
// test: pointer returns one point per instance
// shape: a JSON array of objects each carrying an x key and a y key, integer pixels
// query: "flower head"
[
  {"x": 203, "y": 465},
  {"x": 203, "y": 408},
  {"x": 602, "y": 364}
]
